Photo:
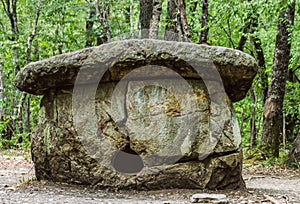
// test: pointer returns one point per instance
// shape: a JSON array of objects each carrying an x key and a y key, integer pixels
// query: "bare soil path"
[{"x": 264, "y": 185}]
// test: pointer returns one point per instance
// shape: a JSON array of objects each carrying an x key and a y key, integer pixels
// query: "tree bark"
[
  {"x": 183, "y": 21},
  {"x": 20, "y": 115},
  {"x": 10, "y": 9},
  {"x": 102, "y": 16},
  {"x": 62, "y": 26},
  {"x": 28, "y": 114},
  {"x": 204, "y": 32},
  {"x": 131, "y": 13},
  {"x": 273, "y": 115},
  {"x": 146, "y": 8},
  {"x": 171, "y": 32},
  {"x": 251, "y": 27},
  {"x": 154, "y": 24},
  {"x": 262, "y": 67},
  {"x": 1, "y": 91},
  {"x": 89, "y": 25},
  {"x": 243, "y": 38},
  {"x": 294, "y": 154},
  {"x": 26, "y": 103},
  {"x": 33, "y": 34},
  {"x": 253, "y": 131}
]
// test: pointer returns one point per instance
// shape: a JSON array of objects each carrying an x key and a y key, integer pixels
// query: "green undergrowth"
[{"x": 256, "y": 157}]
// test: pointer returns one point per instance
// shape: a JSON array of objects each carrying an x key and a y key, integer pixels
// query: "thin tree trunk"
[
  {"x": 10, "y": 9},
  {"x": 183, "y": 21},
  {"x": 131, "y": 14},
  {"x": 20, "y": 115},
  {"x": 36, "y": 52},
  {"x": 33, "y": 34},
  {"x": 294, "y": 154},
  {"x": 283, "y": 132},
  {"x": 62, "y": 26},
  {"x": 242, "y": 122},
  {"x": 291, "y": 119},
  {"x": 273, "y": 114},
  {"x": 89, "y": 25},
  {"x": 251, "y": 27},
  {"x": 1, "y": 91},
  {"x": 171, "y": 32},
  {"x": 204, "y": 32},
  {"x": 103, "y": 17},
  {"x": 146, "y": 8},
  {"x": 154, "y": 25},
  {"x": 253, "y": 132},
  {"x": 228, "y": 32},
  {"x": 23, "y": 101},
  {"x": 27, "y": 114},
  {"x": 243, "y": 39},
  {"x": 262, "y": 67}
]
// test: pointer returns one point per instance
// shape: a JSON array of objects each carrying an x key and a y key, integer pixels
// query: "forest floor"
[{"x": 17, "y": 185}]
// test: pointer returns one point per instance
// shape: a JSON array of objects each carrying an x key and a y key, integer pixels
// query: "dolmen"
[{"x": 140, "y": 114}]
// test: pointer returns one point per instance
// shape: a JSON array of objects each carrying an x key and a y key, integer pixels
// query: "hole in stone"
[{"x": 127, "y": 161}]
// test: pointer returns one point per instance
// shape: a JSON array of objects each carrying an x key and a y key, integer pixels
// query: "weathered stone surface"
[
  {"x": 58, "y": 153},
  {"x": 209, "y": 198},
  {"x": 143, "y": 126},
  {"x": 236, "y": 68}
]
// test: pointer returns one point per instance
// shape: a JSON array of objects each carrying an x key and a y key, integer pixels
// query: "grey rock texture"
[
  {"x": 152, "y": 122},
  {"x": 236, "y": 68}
]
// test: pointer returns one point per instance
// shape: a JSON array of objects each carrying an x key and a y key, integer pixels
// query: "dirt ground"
[{"x": 17, "y": 185}]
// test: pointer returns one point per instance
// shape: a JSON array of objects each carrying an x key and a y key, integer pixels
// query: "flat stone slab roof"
[{"x": 116, "y": 59}]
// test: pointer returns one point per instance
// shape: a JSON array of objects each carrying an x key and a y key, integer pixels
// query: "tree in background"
[
  {"x": 90, "y": 37},
  {"x": 154, "y": 24},
  {"x": 146, "y": 8},
  {"x": 273, "y": 109},
  {"x": 171, "y": 31},
  {"x": 204, "y": 24}
]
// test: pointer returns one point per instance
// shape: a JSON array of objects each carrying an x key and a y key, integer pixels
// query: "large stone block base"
[{"x": 59, "y": 154}]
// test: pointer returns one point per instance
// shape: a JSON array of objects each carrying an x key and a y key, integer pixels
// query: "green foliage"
[{"x": 292, "y": 105}]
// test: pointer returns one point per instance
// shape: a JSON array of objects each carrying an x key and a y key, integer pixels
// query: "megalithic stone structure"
[{"x": 140, "y": 114}]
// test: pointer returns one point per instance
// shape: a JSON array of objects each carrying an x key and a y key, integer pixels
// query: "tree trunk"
[
  {"x": 244, "y": 38},
  {"x": 10, "y": 9},
  {"x": 204, "y": 32},
  {"x": 171, "y": 32},
  {"x": 62, "y": 29},
  {"x": 20, "y": 115},
  {"x": 1, "y": 91},
  {"x": 89, "y": 25},
  {"x": 273, "y": 115},
  {"x": 253, "y": 131},
  {"x": 27, "y": 114},
  {"x": 33, "y": 34},
  {"x": 291, "y": 119},
  {"x": 183, "y": 21},
  {"x": 242, "y": 122},
  {"x": 154, "y": 25},
  {"x": 131, "y": 14},
  {"x": 26, "y": 103},
  {"x": 294, "y": 155},
  {"x": 262, "y": 67},
  {"x": 251, "y": 27},
  {"x": 102, "y": 16},
  {"x": 146, "y": 8}
]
